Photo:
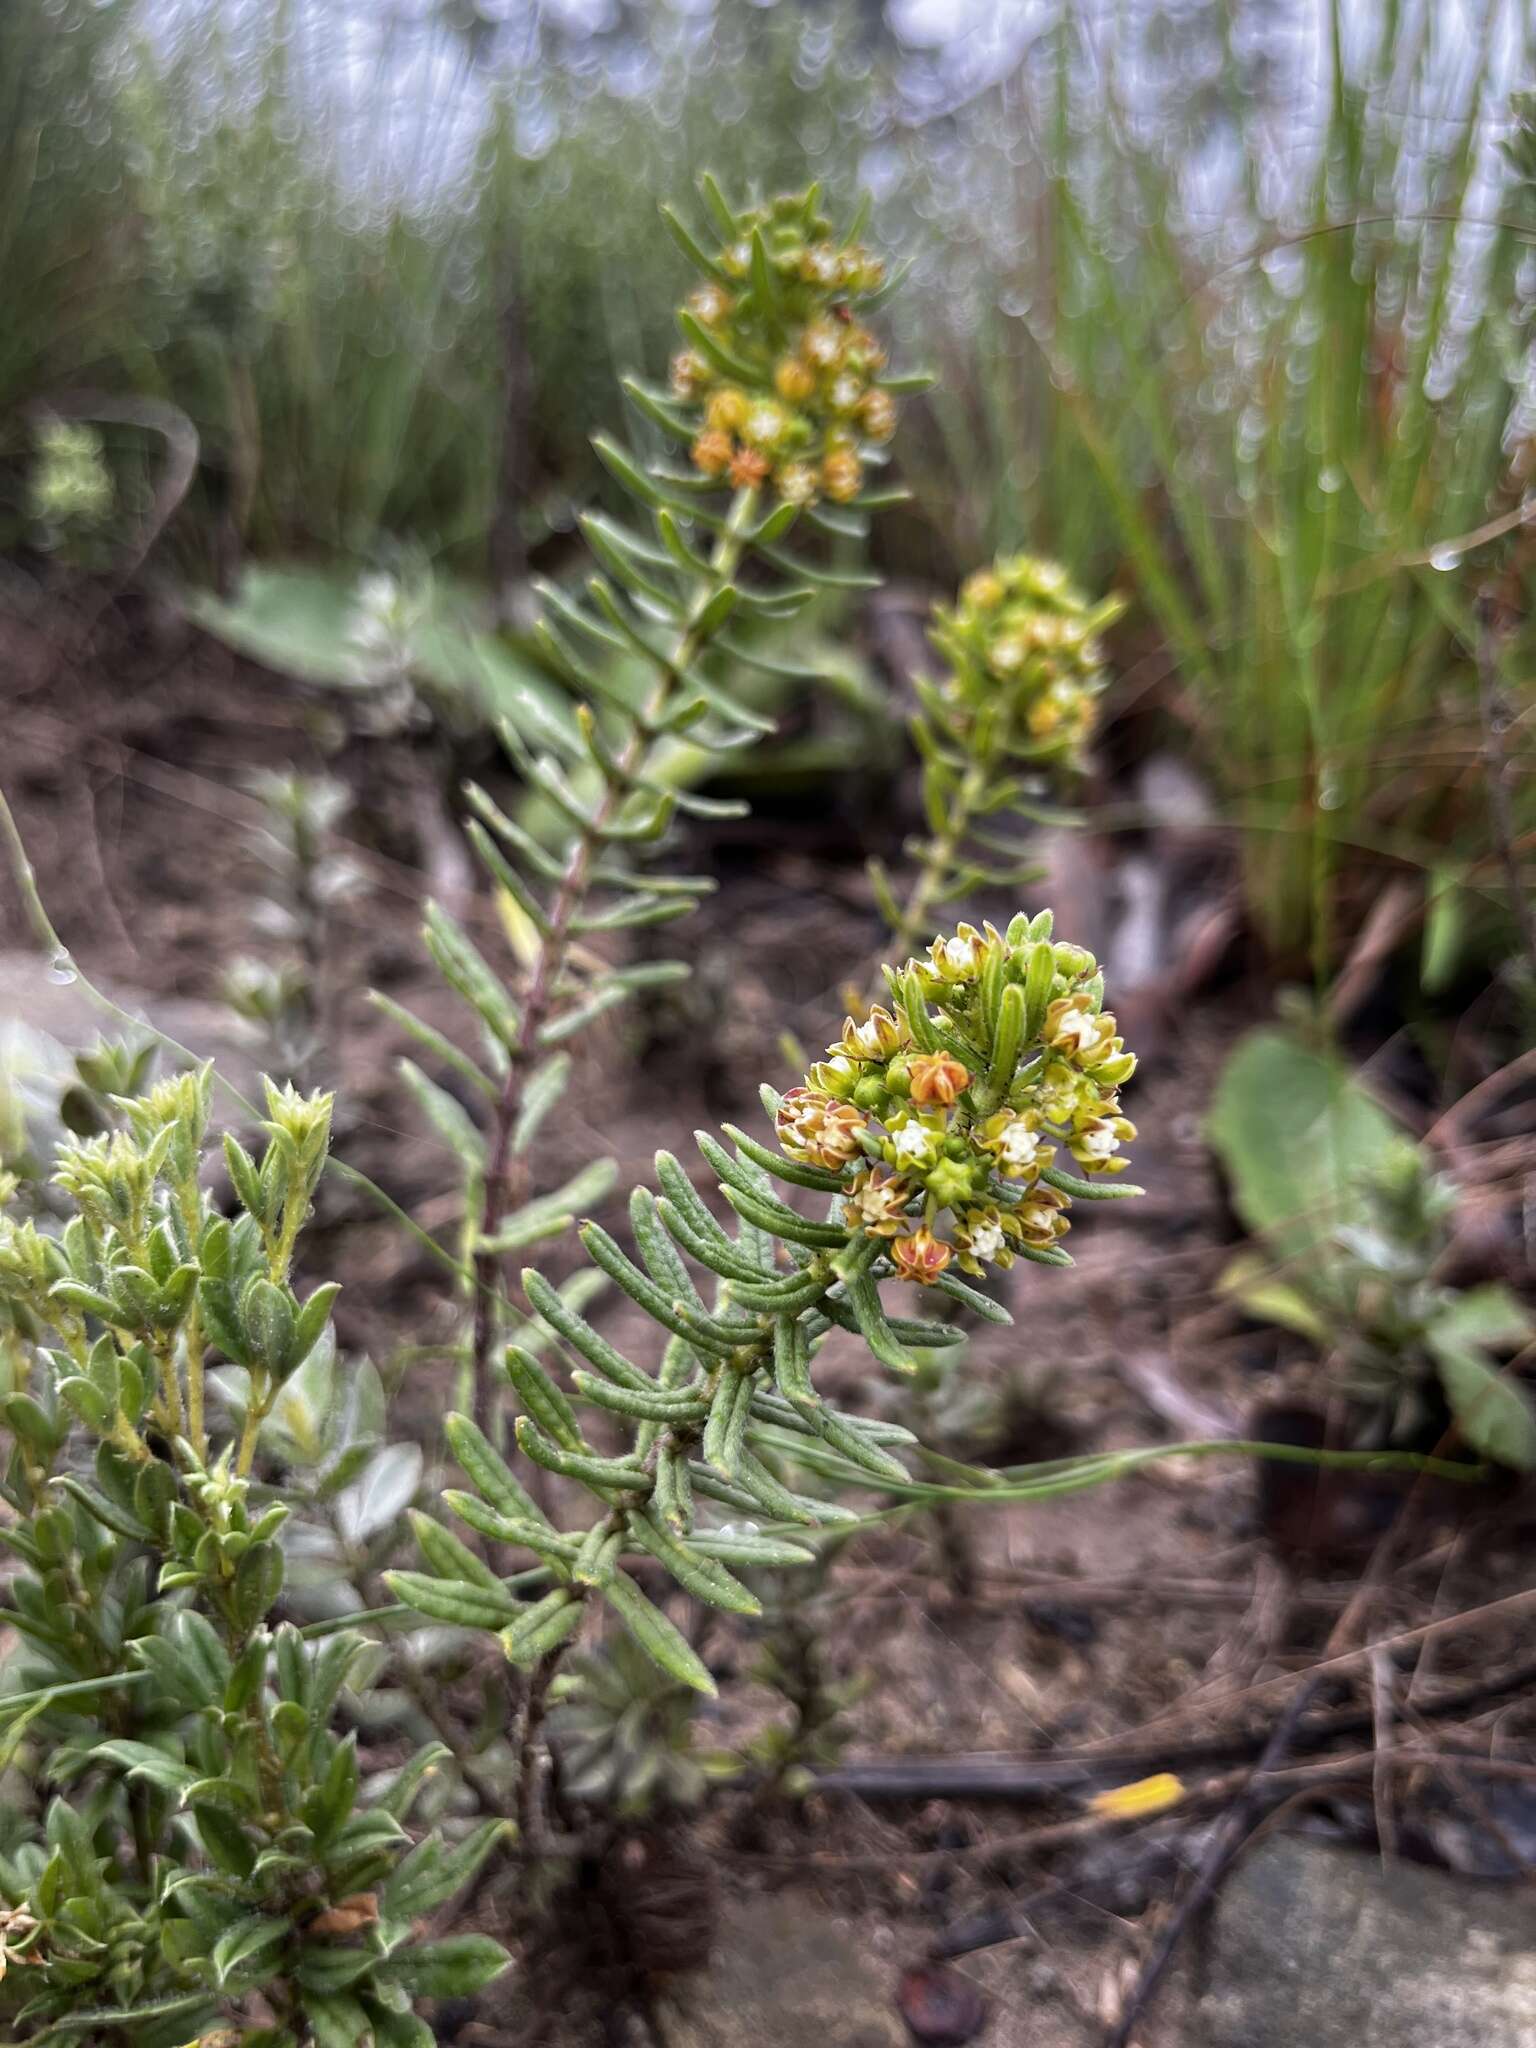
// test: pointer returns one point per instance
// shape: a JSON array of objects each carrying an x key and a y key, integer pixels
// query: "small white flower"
[
  {"x": 985, "y": 1240},
  {"x": 1100, "y": 1144},
  {"x": 1077, "y": 1028},
  {"x": 1019, "y": 1147},
  {"x": 764, "y": 425},
  {"x": 846, "y": 393},
  {"x": 912, "y": 1141}
]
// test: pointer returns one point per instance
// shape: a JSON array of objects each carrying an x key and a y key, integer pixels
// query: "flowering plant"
[
  {"x": 994, "y": 1043},
  {"x": 781, "y": 385},
  {"x": 203, "y": 1859},
  {"x": 958, "y": 1110}
]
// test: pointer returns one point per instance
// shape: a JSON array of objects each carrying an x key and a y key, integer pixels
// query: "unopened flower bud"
[
  {"x": 842, "y": 476},
  {"x": 748, "y": 468},
  {"x": 794, "y": 380},
  {"x": 712, "y": 452},
  {"x": 938, "y": 1078},
  {"x": 727, "y": 409}
]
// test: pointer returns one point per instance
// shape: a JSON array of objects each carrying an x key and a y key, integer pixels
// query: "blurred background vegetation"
[{"x": 1230, "y": 302}]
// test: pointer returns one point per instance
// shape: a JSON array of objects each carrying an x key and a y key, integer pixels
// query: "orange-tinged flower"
[
  {"x": 921, "y": 1257},
  {"x": 818, "y": 1128},
  {"x": 938, "y": 1079},
  {"x": 877, "y": 413},
  {"x": 748, "y": 467},
  {"x": 712, "y": 452},
  {"x": 348, "y": 1916},
  {"x": 709, "y": 304}
]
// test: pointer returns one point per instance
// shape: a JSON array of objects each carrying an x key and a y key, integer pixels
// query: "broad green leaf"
[
  {"x": 455, "y": 1968},
  {"x": 1259, "y": 1292},
  {"x": 1297, "y": 1136},
  {"x": 381, "y": 1495}
]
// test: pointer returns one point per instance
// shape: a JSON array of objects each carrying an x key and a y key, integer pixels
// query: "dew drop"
[
  {"x": 1444, "y": 558},
  {"x": 61, "y": 968}
]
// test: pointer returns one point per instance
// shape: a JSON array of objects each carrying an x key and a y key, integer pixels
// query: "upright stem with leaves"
[
  {"x": 1023, "y": 668},
  {"x": 932, "y": 1133},
  {"x": 781, "y": 399},
  {"x": 266, "y": 1892}
]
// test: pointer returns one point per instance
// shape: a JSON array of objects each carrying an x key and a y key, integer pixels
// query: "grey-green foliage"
[
  {"x": 681, "y": 598},
  {"x": 715, "y": 1427},
  {"x": 283, "y": 997},
  {"x": 622, "y": 1728},
  {"x": 190, "y": 1842},
  {"x": 1352, "y": 1225}
]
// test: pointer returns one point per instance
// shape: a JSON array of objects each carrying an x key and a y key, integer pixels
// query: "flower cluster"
[
  {"x": 71, "y": 485},
  {"x": 780, "y": 378},
  {"x": 1024, "y": 657},
  {"x": 944, "y": 1115}
]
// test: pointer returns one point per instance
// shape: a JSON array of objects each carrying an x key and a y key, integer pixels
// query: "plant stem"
[
  {"x": 1493, "y": 712},
  {"x": 505, "y": 1182},
  {"x": 937, "y": 858},
  {"x": 250, "y": 1429}
]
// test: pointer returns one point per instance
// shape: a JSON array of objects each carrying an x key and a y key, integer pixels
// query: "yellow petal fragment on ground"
[{"x": 1143, "y": 1796}]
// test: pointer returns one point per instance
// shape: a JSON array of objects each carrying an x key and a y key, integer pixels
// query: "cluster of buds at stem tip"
[
  {"x": 946, "y": 1114},
  {"x": 781, "y": 382},
  {"x": 1024, "y": 662}
]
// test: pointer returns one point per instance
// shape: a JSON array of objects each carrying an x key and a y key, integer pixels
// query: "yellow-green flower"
[
  {"x": 876, "y": 1037},
  {"x": 877, "y": 1202},
  {"x": 1041, "y": 1217},
  {"x": 1096, "y": 1140},
  {"x": 982, "y": 1238},
  {"x": 1015, "y": 1142},
  {"x": 914, "y": 1141},
  {"x": 1085, "y": 1036}
]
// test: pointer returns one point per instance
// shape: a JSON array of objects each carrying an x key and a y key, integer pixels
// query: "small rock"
[
  {"x": 1338, "y": 1949},
  {"x": 787, "y": 1974}
]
